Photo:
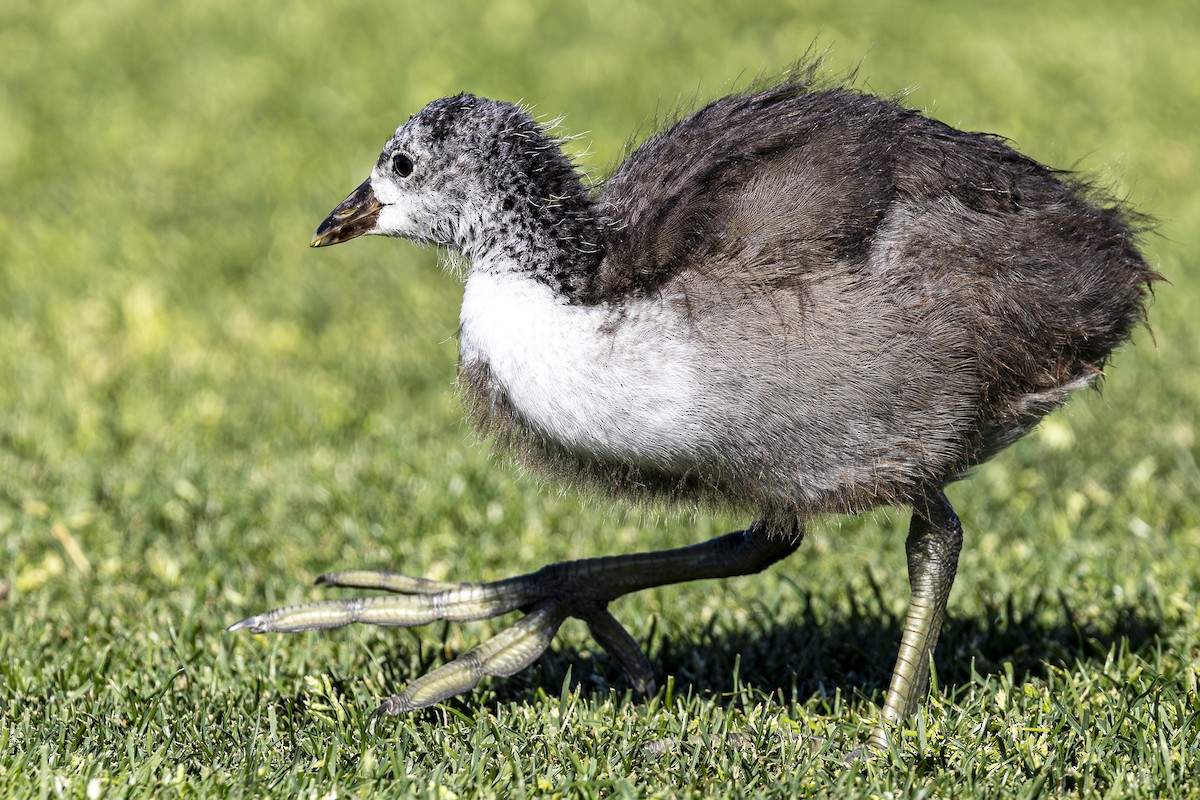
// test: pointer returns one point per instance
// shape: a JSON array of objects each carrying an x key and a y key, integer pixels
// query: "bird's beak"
[{"x": 353, "y": 217}]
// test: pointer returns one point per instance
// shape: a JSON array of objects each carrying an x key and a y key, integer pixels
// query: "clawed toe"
[
  {"x": 506, "y": 653},
  {"x": 386, "y": 581}
]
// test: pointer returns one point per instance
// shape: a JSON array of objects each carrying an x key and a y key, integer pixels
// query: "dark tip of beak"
[{"x": 353, "y": 217}]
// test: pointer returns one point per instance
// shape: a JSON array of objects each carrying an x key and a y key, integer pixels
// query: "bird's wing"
[{"x": 779, "y": 181}]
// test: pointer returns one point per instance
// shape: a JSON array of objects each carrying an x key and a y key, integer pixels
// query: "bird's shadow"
[{"x": 850, "y": 648}]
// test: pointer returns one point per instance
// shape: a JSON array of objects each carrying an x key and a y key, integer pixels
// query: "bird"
[{"x": 802, "y": 299}]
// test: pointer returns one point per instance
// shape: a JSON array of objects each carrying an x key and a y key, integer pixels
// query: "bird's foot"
[
  {"x": 580, "y": 589},
  {"x": 548, "y": 597}
]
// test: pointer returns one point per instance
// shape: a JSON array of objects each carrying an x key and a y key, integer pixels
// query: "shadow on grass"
[
  {"x": 821, "y": 650},
  {"x": 854, "y": 650}
]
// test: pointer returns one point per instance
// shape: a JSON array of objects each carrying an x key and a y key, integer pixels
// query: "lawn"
[{"x": 199, "y": 414}]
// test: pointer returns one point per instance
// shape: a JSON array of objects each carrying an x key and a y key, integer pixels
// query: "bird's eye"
[{"x": 402, "y": 164}]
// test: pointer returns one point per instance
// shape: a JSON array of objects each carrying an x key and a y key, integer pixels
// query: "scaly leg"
[
  {"x": 580, "y": 589},
  {"x": 934, "y": 540}
]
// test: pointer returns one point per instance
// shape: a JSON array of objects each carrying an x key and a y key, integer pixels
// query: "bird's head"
[{"x": 464, "y": 172}]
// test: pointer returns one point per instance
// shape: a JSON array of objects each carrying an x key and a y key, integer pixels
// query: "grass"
[{"x": 198, "y": 415}]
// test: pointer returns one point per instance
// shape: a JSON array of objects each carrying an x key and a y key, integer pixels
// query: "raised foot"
[
  {"x": 548, "y": 597},
  {"x": 581, "y": 589}
]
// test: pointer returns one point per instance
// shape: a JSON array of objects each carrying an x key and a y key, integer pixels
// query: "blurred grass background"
[{"x": 198, "y": 414}]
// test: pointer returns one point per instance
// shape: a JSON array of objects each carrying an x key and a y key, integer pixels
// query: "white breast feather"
[{"x": 624, "y": 390}]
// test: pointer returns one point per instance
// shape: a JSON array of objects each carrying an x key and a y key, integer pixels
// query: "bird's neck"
[{"x": 540, "y": 222}]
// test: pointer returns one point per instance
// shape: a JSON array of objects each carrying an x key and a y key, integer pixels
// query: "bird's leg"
[
  {"x": 934, "y": 540},
  {"x": 580, "y": 589}
]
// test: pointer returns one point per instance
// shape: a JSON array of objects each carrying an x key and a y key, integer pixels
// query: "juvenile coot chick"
[{"x": 798, "y": 300}]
